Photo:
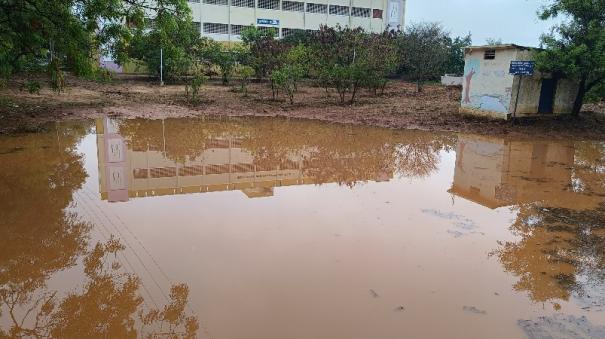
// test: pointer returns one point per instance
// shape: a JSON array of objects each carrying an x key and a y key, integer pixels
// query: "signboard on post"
[
  {"x": 522, "y": 67},
  {"x": 268, "y": 22}
]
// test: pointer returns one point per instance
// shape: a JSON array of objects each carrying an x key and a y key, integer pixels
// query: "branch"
[{"x": 593, "y": 83}]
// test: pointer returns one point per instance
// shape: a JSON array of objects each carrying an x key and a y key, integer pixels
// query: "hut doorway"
[{"x": 547, "y": 96}]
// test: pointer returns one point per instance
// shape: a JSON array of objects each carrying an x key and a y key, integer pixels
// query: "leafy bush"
[
  {"x": 245, "y": 73},
  {"x": 294, "y": 67},
  {"x": 347, "y": 59},
  {"x": 193, "y": 86},
  {"x": 32, "y": 86},
  {"x": 264, "y": 51},
  {"x": 225, "y": 58},
  {"x": 423, "y": 51},
  {"x": 57, "y": 77}
]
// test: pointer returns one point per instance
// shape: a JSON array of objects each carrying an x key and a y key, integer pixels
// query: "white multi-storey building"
[{"x": 224, "y": 20}]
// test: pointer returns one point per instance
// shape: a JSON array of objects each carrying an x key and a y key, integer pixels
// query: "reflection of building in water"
[
  {"x": 497, "y": 172},
  {"x": 127, "y": 171},
  {"x": 113, "y": 161}
]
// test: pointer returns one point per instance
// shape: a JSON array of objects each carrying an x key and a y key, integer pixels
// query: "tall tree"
[
  {"x": 168, "y": 28},
  {"x": 576, "y": 47},
  {"x": 74, "y": 32},
  {"x": 424, "y": 52},
  {"x": 455, "y": 54}
]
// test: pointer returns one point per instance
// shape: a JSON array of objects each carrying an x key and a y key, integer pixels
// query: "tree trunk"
[
  {"x": 354, "y": 93},
  {"x": 577, "y": 105},
  {"x": 418, "y": 87}
]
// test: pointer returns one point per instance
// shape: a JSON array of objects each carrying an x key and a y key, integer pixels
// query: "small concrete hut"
[{"x": 500, "y": 82}]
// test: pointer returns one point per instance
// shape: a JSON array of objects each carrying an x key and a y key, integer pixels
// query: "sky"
[{"x": 513, "y": 21}]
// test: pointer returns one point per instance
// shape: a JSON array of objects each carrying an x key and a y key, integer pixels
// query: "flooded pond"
[{"x": 291, "y": 229}]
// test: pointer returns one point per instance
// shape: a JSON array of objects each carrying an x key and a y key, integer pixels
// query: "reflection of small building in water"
[
  {"x": 496, "y": 172},
  {"x": 222, "y": 165}
]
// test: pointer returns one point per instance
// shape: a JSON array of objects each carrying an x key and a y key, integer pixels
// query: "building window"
[
  {"x": 293, "y": 6},
  {"x": 377, "y": 13},
  {"x": 268, "y": 4},
  {"x": 286, "y": 32},
  {"x": 490, "y": 54},
  {"x": 197, "y": 26},
  {"x": 140, "y": 173},
  {"x": 197, "y": 1},
  {"x": 189, "y": 171},
  {"x": 339, "y": 10},
  {"x": 216, "y": 2},
  {"x": 162, "y": 172},
  {"x": 211, "y": 28},
  {"x": 317, "y": 8},
  {"x": 217, "y": 169},
  {"x": 237, "y": 29},
  {"x": 361, "y": 12},
  {"x": 242, "y": 168},
  {"x": 243, "y": 3}
]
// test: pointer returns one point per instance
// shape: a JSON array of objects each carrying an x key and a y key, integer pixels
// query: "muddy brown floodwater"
[{"x": 294, "y": 229}]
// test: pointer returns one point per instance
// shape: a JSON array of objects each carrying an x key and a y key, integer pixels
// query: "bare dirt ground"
[{"x": 436, "y": 108}]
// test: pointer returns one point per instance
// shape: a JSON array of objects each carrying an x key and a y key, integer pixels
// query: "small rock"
[{"x": 473, "y": 309}]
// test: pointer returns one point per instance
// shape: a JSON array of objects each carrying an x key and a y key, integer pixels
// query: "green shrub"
[
  {"x": 57, "y": 77},
  {"x": 32, "y": 86},
  {"x": 193, "y": 86},
  {"x": 245, "y": 72}
]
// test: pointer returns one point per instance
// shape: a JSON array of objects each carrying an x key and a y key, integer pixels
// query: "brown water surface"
[{"x": 291, "y": 229}]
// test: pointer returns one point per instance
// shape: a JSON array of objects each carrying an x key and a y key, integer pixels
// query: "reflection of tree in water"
[
  {"x": 331, "y": 153},
  {"x": 182, "y": 139},
  {"x": 39, "y": 238},
  {"x": 589, "y": 168},
  {"x": 562, "y": 250},
  {"x": 419, "y": 155},
  {"x": 105, "y": 307},
  {"x": 557, "y": 246}
]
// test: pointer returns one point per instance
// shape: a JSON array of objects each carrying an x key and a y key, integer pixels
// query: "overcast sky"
[{"x": 513, "y": 21}]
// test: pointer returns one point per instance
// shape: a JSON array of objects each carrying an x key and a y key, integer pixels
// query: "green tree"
[
  {"x": 493, "y": 41},
  {"x": 33, "y": 33},
  {"x": 423, "y": 49},
  {"x": 575, "y": 48},
  {"x": 455, "y": 54},
  {"x": 264, "y": 50},
  {"x": 225, "y": 58},
  {"x": 378, "y": 59},
  {"x": 295, "y": 67},
  {"x": 170, "y": 30},
  {"x": 245, "y": 73},
  {"x": 338, "y": 53}
]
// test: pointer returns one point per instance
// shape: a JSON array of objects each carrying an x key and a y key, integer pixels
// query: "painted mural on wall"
[
  {"x": 471, "y": 67},
  {"x": 476, "y": 95}
]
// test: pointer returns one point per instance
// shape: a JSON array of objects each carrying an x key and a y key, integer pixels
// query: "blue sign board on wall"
[
  {"x": 267, "y": 22},
  {"x": 522, "y": 67}
]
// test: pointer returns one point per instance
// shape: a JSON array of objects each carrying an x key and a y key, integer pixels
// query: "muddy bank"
[
  {"x": 435, "y": 109},
  {"x": 560, "y": 326}
]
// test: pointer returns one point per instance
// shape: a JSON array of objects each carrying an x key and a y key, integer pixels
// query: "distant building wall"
[
  {"x": 451, "y": 80},
  {"x": 223, "y": 19}
]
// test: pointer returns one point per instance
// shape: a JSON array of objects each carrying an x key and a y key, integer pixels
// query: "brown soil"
[{"x": 436, "y": 108}]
